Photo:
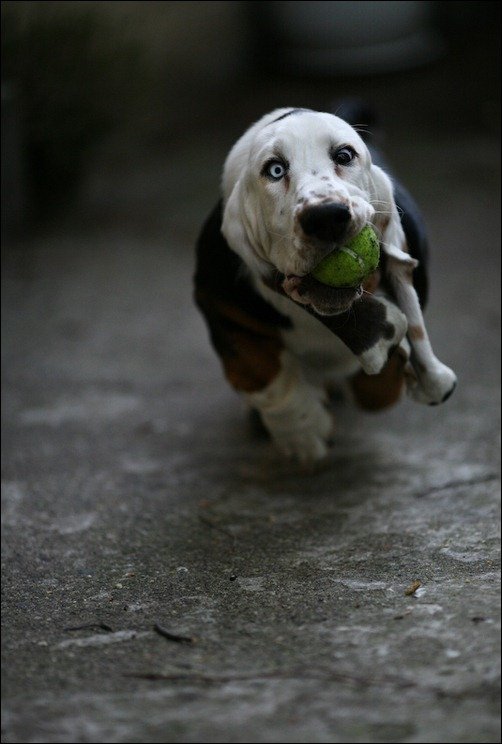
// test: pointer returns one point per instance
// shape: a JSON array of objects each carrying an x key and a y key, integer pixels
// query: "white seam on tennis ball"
[{"x": 354, "y": 255}]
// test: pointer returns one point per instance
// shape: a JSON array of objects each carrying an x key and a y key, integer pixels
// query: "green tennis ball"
[{"x": 349, "y": 265}]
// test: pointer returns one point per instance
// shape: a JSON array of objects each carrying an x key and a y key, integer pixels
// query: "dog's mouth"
[{"x": 324, "y": 299}]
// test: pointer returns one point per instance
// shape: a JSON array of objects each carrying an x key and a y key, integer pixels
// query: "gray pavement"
[{"x": 135, "y": 492}]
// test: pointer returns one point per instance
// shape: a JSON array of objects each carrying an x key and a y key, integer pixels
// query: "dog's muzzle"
[{"x": 324, "y": 226}]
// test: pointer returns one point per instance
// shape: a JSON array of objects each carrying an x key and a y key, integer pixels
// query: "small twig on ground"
[
  {"x": 474, "y": 481},
  {"x": 172, "y": 636},
  {"x": 412, "y": 587},
  {"x": 89, "y": 626},
  {"x": 326, "y": 675}
]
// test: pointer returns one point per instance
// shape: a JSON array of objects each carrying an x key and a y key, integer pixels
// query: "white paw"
[
  {"x": 432, "y": 386},
  {"x": 301, "y": 432},
  {"x": 375, "y": 359}
]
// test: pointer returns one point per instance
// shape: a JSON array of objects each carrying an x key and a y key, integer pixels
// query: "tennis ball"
[{"x": 349, "y": 265}]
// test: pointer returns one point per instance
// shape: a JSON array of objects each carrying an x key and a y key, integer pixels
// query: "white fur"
[
  {"x": 429, "y": 380},
  {"x": 260, "y": 216},
  {"x": 260, "y": 223},
  {"x": 294, "y": 413}
]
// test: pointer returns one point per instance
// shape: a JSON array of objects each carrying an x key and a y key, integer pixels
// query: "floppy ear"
[
  {"x": 241, "y": 227},
  {"x": 232, "y": 226},
  {"x": 387, "y": 219}
]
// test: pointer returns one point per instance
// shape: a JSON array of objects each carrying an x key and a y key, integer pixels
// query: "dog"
[{"x": 296, "y": 185}]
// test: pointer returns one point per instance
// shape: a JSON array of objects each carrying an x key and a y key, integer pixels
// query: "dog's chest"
[{"x": 320, "y": 352}]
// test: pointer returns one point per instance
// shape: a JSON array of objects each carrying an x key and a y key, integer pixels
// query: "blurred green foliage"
[{"x": 78, "y": 77}]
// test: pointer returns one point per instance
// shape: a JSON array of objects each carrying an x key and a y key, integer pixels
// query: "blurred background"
[{"x": 98, "y": 97}]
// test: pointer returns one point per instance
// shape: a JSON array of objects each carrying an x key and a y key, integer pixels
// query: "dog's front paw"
[
  {"x": 302, "y": 432},
  {"x": 433, "y": 385}
]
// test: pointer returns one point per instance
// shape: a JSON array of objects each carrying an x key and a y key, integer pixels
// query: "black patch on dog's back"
[
  {"x": 290, "y": 113},
  {"x": 416, "y": 238},
  {"x": 244, "y": 329}
]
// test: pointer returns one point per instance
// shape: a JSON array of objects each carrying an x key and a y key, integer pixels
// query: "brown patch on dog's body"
[
  {"x": 249, "y": 349},
  {"x": 374, "y": 392},
  {"x": 416, "y": 333},
  {"x": 245, "y": 330}
]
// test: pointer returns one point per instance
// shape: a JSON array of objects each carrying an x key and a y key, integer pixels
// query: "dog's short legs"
[
  {"x": 293, "y": 411},
  {"x": 428, "y": 380}
]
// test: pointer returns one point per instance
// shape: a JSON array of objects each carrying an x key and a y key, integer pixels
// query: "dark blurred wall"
[{"x": 76, "y": 74}]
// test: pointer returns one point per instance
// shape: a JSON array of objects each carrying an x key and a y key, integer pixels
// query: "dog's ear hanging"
[
  {"x": 387, "y": 220},
  {"x": 393, "y": 203},
  {"x": 240, "y": 229},
  {"x": 231, "y": 224}
]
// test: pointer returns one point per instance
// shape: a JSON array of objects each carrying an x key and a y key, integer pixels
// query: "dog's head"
[{"x": 296, "y": 185}]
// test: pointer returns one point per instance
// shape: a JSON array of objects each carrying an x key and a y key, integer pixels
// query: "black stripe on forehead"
[{"x": 289, "y": 113}]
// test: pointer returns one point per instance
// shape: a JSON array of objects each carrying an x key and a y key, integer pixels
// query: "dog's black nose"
[{"x": 325, "y": 221}]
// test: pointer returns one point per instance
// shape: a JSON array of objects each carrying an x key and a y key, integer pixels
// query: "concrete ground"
[{"x": 135, "y": 493}]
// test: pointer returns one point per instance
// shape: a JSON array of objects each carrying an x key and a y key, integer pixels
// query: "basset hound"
[{"x": 296, "y": 185}]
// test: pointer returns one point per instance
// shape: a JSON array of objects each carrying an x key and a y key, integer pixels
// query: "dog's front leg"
[
  {"x": 293, "y": 411},
  {"x": 428, "y": 380},
  {"x": 258, "y": 366},
  {"x": 371, "y": 329}
]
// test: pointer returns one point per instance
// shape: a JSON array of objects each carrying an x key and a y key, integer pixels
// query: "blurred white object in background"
[{"x": 354, "y": 37}]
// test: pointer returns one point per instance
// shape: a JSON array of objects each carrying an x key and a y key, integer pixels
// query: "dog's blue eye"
[
  {"x": 344, "y": 156},
  {"x": 276, "y": 170}
]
